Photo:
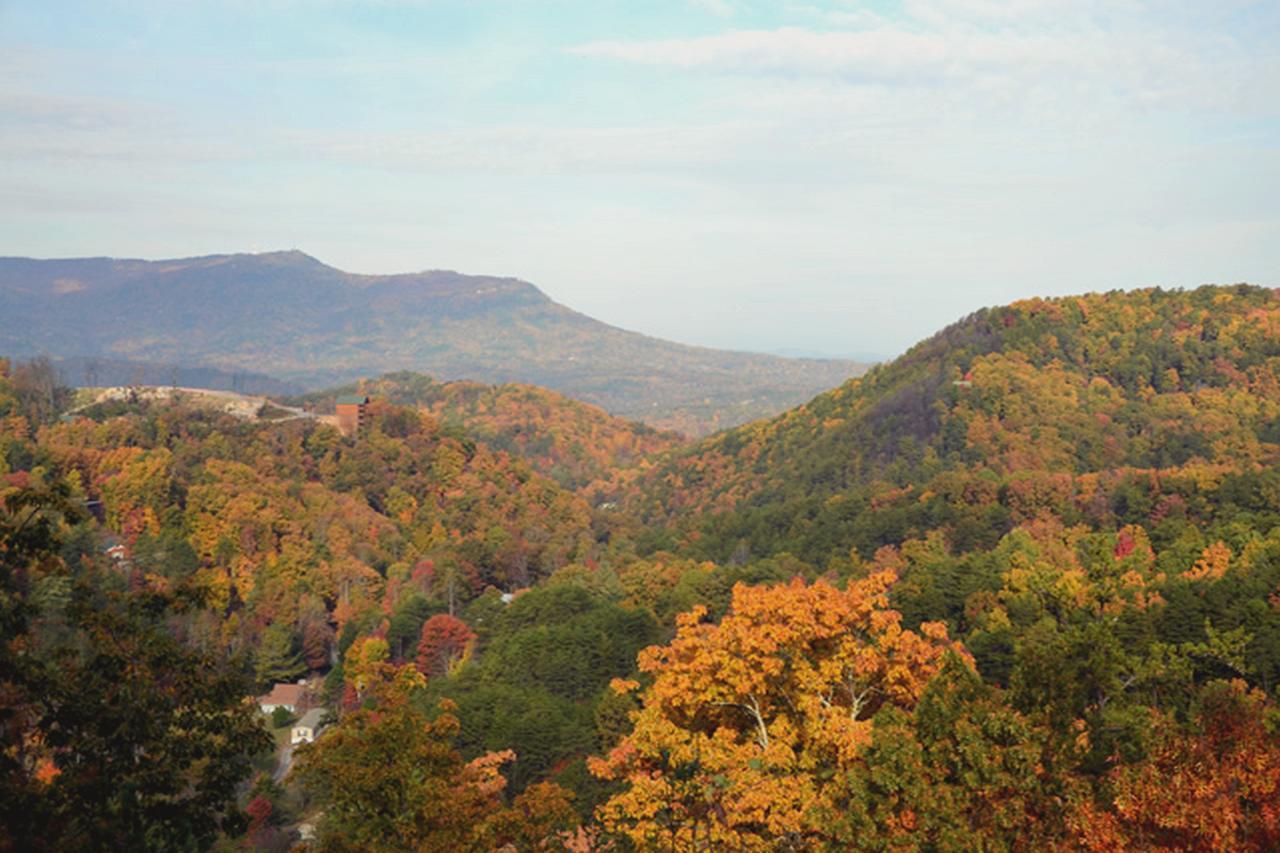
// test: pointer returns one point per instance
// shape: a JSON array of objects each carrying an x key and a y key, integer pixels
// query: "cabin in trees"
[
  {"x": 351, "y": 413},
  {"x": 287, "y": 696},
  {"x": 306, "y": 729},
  {"x": 118, "y": 554}
]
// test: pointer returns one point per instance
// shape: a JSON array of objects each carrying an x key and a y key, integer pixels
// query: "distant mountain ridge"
[{"x": 288, "y": 315}]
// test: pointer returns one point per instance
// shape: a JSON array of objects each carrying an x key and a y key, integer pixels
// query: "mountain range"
[{"x": 310, "y": 325}]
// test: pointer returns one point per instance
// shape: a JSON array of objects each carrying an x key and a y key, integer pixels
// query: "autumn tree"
[
  {"x": 445, "y": 641},
  {"x": 40, "y": 390},
  {"x": 962, "y": 770},
  {"x": 365, "y": 666},
  {"x": 1215, "y": 787},
  {"x": 115, "y": 734},
  {"x": 317, "y": 633},
  {"x": 747, "y": 722},
  {"x": 389, "y": 778}
]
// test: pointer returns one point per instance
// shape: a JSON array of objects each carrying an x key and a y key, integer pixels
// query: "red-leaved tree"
[{"x": 445, "y": 640}]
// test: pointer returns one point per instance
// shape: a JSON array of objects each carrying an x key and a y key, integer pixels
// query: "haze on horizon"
[{"x": 837, "y": 177}]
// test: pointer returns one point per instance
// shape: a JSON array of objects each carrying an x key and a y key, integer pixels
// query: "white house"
[{"x": 306, "y": 729}]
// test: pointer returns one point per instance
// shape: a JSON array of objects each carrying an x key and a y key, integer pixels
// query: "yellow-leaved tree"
[{"x": 748, "y": 724}]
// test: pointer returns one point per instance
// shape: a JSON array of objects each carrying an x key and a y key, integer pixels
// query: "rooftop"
[{"x": 283, "y": 694}]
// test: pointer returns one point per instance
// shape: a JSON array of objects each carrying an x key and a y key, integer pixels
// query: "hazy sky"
[{"x": 845, "y": 177}]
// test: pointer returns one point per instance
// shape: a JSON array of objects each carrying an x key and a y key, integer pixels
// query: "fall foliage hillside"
[
  {"x": 290, "y": 524},
  {"x": 1019, "y": 589},
  {"x": 1082, "y": 492},
  {"x": 1046, "y": 404},
  {"x": 574, "y": 443}
]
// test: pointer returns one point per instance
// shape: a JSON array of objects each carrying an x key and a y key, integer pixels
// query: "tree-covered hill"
[
  {"x": 1083, "y": 493},
  {"x": 575, "y": 443},
  {"x": 1046, "y": 403}
]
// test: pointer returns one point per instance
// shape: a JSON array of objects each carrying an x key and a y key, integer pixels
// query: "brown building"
[
  {"x": 283, "y": 695},
  {"x": 351, "y": 411}
]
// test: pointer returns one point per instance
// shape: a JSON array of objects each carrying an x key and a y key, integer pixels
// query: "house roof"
[
  {"x": 353, "y": 400},
  {"x": 283, "y": 694},
  {"x": 311, "y": 719}
]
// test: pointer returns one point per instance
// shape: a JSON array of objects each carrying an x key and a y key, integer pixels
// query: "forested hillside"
[
  {"x": 1019, "y": 589},
  {"x": 575, "y": 443},
  {"x": 1044, "y": 405}
]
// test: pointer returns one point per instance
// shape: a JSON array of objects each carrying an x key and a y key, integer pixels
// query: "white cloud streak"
[
  {"x": 883, "y": 53},
  {"x": 1078, "y": 50}
]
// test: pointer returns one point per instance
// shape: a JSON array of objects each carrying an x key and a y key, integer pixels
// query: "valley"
[
  {"x": 1025, "y": 577},
  {"x": 667, "y": 427}
]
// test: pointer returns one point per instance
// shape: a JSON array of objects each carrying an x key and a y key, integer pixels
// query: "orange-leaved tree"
[
  {"x": 1215, "y": 787},
  {"x": 748, "y": 721}
]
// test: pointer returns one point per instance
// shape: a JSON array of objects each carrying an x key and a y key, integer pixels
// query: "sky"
[{"x": 842, "y": 178}]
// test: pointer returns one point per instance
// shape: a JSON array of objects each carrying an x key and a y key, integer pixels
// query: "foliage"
[
  {"x": 1106, "y": 408},
  {"x": 540, "y": 670},
  {"x": 574, "y": 443},
  {"x": 277, "y": 659},
  {"x": 388, "y": 778},
  {"x": 1083, "y": 493},
  {"x": 445, "y": 642},
  {"x": 748, "y": 723},
  {"x": 115, "y": 733},
  {"x": 1215, "y": 787}
]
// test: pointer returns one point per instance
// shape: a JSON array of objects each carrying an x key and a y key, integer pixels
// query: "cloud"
[
  {"x": 933, "y": 153},
  {"x": 877, "y": 53},
  {"x": 1063, "y": 52},
  {"x": 944, "y": 12},
  {"x": 41, "y": 130}
]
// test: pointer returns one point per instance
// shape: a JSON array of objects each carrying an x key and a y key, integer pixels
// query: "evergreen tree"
[{"x": 278, "y": 658}]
